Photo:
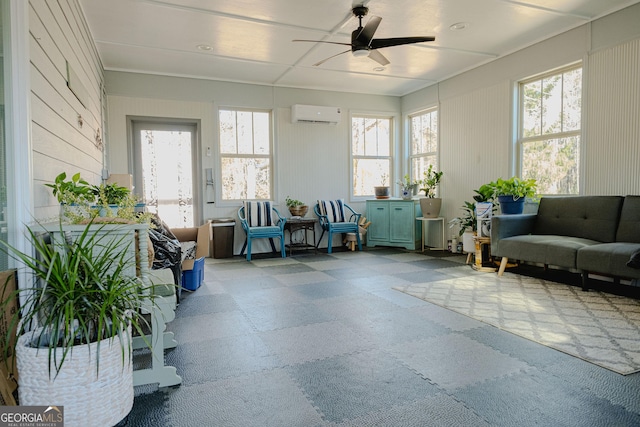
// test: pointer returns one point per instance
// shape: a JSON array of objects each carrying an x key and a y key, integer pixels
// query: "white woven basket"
[{"x": 90, "y": 398}]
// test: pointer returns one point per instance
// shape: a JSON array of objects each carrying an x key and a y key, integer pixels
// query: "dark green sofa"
[{"x": 587, "y": 234}]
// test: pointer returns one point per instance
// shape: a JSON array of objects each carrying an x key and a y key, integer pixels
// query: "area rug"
[{"x": 600, "y": 328}]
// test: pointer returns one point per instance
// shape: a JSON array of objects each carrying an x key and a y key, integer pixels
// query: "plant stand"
[{"x": 483, "y": 255}]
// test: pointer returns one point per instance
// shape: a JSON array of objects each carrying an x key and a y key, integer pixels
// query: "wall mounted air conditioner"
[{"x": 315, "y": 114}]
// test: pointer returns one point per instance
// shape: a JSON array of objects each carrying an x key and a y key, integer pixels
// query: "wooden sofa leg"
[{"x": 503, "y": 265}]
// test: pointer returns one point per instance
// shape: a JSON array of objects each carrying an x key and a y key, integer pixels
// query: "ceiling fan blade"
[
  {"x": 368, "y": 31},
  {"x": 333, "y": 56},
  {"x": 321, "y": 41},
  {"x": 397, "y": 41},
  {"x": 378, "y": 57}
]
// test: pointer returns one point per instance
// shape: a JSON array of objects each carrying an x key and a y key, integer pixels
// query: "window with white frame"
[
  {"x": 245, "y": 154},
  {"x": 423, "y": 151},
  {"x": 549, "y": 130},
  {"x": 370, "y": 153}
]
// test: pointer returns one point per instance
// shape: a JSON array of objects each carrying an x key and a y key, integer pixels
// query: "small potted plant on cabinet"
[
  {"x": 110, "y": 197},
  {"x": 408, "y": 187},
  {"x": 296, "y": 207},
  {"x": 74, "y": 345},
  {"x": 430, "y": 204},
  {"x": 75, "y": 196},
  {"x": 382, "y": 191}
]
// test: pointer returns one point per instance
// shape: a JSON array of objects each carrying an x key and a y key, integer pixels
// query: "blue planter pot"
[{"x": 508, "y": 206}]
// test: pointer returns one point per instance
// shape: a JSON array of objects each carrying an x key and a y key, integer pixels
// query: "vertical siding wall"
[
  {"x": 59, "y": 33},
  {"x": 612, "y": 121},
  {"x": 475, "y": 143}
]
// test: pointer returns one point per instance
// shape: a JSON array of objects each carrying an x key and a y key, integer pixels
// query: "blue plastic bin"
[{"x": 192, "y": 279}]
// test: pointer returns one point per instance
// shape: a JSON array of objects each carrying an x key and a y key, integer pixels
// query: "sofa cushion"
[
  {"x": 587, "y": 217},
  {"x": 610, "y": 259},
  {"x": 629, "y": 226},
  {"x": 560, "y": 251}
]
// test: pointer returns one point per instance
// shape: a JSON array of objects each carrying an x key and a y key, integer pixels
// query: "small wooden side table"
[
  {"x": 483, "y": 254},
  {"x": 300, "y": 224}
]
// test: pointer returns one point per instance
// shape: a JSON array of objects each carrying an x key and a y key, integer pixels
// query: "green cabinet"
[{"x": 393, "y": 223}]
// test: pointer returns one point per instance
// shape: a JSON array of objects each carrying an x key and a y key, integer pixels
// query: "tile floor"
[{"x": 323, "y": 340}]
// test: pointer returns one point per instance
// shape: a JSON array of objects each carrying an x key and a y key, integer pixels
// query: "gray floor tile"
[
  {"x": 453, "y": 361},
  {"x": 261, "y": 399},
  {"x": 349, "y": 386},
  {"x": 313, "y": 342}
]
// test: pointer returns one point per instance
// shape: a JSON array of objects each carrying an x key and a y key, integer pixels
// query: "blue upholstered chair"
[
  {"x": 260, "y": 220},
  {"x": 332, "y": 217}
]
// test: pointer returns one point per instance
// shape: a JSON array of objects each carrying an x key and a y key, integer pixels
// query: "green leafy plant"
[
  {"x": 81, "y": 293},
  {"x": 513, "y": 186},
  {"x": 291, "y": 203},
  {"x": 430, "y": 181},
  {"x": 469, "y": 220},
  {"x": 110, "y": 194},
  {"x": 407, "y": 184},
  {"x": 73, "y": 191}
]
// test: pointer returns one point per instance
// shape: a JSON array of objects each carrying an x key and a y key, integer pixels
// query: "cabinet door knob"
[
  {"x": 380, "y": 209},
  {"x": 398, "y": 209}
]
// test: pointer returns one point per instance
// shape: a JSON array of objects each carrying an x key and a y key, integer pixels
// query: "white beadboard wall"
[
  {"x": 59, "y": 33},
  {"x": 612, "y": 121},
  {"x": 474, "y": 143}
]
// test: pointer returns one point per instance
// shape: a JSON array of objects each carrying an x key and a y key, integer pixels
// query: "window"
[
  {"x": 245, "y": 154},
  {"x": 163, "y": 155},
  {"x": 549, "y": 130},
  {"x": 424, "y": 143},
  {"x": 370, "y": 153}
]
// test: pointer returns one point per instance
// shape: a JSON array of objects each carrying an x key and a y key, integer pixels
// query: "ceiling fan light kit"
[{"x": 362, "y": 41}]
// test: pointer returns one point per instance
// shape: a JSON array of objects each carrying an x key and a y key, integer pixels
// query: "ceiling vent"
[{"x": 315, "y": 114}]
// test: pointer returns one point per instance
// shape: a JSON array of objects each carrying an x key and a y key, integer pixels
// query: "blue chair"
[
  {"x": 332, "y": 219},
  {"x": 259, "y": 222}
]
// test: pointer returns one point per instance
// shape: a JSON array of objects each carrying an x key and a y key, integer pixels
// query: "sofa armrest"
[{"x": 510, "y": 225}]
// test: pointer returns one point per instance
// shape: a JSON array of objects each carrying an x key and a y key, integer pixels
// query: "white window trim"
[
  {"x": 219, "y": 201},
  {"x": 394, "y": 157},
  {"x": 409, "y": 155},
  {"x": 519, "y": 140}
]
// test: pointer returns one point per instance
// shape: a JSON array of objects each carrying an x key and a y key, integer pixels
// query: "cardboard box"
[
  {"x": 122, "y": 179},
  {"x": 201, "y": 235}
]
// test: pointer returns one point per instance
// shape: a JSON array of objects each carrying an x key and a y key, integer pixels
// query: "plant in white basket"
[{"x": 74, "y": 329}]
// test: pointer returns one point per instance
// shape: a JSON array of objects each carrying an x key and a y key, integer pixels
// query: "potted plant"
[
  {"x": 74, "y": 329},
  {"x": 75, "y": 196},
  {"x": 511, "y": 193},
  {"x": 109, "y": 197},
  {"x": 408, "y": 187},
  {"x": 382, "y": 191},
  {"x": 430, "y": 204},
  {"x": 296, "y": 207},
  {"x": 468, "y": 222}
]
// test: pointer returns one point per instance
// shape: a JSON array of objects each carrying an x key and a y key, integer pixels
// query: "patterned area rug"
[{"x": 600, "y": 328}]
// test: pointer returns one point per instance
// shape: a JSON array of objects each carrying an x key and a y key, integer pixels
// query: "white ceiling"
[{"x": 251, "y": 40}]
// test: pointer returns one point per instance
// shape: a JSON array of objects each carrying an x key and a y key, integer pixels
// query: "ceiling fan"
[{"x": 363, "y": 43}]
